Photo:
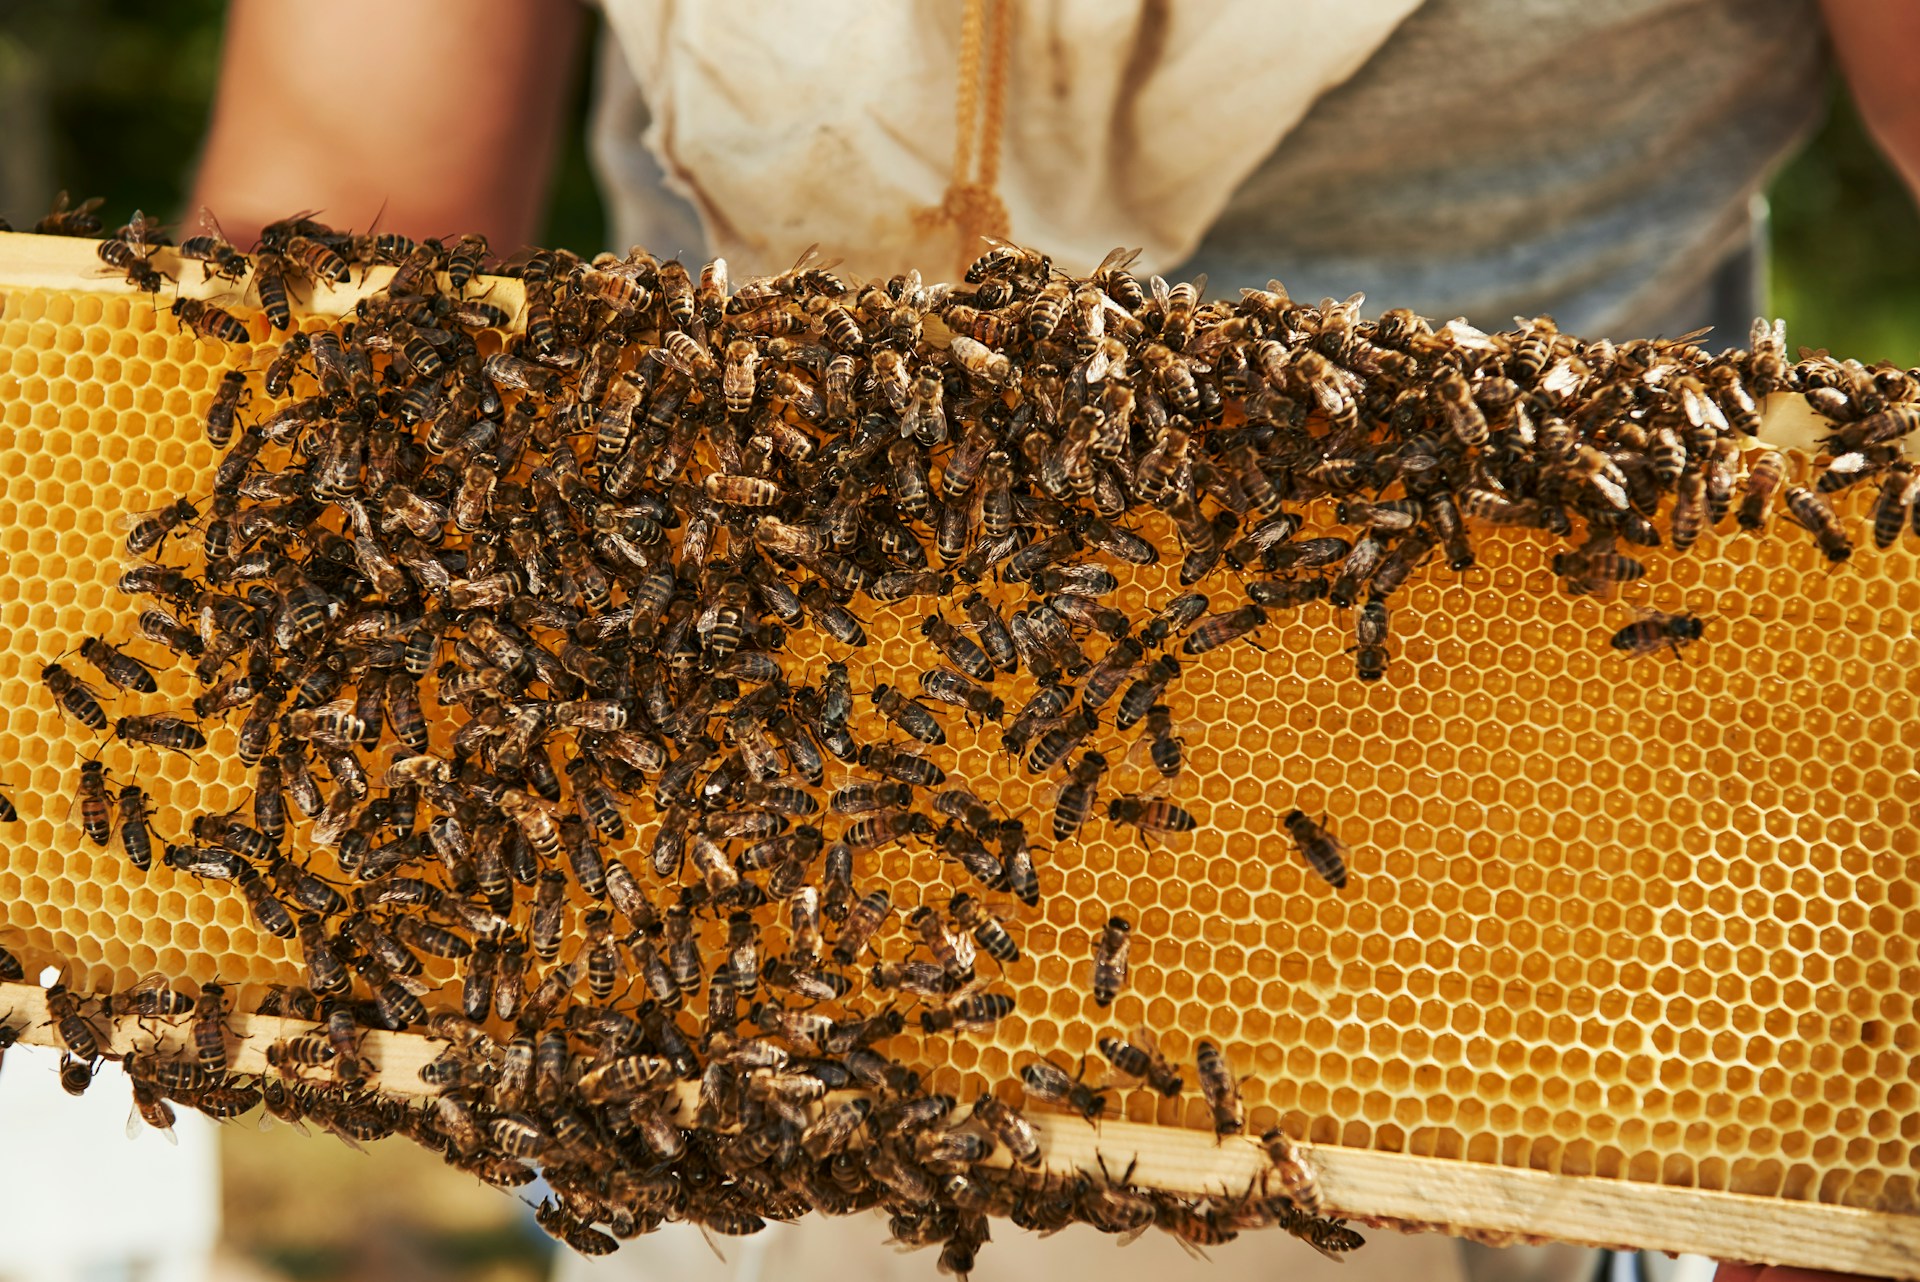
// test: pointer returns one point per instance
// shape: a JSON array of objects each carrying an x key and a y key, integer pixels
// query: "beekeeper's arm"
[
  {"x": 1877, "y": 42},
  {"x": 440, "y": 116}
]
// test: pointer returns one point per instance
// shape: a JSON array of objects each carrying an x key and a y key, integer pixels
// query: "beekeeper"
[{"x": 1601, "y": 161}]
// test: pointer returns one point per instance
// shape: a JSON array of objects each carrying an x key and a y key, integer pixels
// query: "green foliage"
[{"x": 1846, "y": 247}]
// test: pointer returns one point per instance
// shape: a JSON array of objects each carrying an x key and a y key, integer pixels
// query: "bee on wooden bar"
[
  {"x": 1138, "y": 1056},
  {"x": 208, "y": 321},
  {"x": 1221, "y": 1089},
  {"x": 1047, "y": 1081}
]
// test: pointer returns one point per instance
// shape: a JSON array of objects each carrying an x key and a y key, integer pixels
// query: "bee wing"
[
  {"x": 1468, "y": 337},
  {"x": 205, "y": 224},
  {"x": 1200, "y": 288},
  {"x": 1107, "y": 304},
  {"x": 136, "y": 1123},
  {"x": 1117, "y": 260},
  {"x": 154, "y": 983},
  {"x": 810, "y": 260},
  {"x": 971, "y": 988},
  {"x": 127, "y": 520},
  {"x": 1094, "y": 369},
  {"x": 1563, "y": 377},
  {"x": 138, "y": 228},
  {"x": 1160, "y": 289},
  {"x": 673, "y": 361}
]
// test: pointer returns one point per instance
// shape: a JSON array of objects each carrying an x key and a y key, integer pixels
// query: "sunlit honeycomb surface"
[{"x": 1646, "y": 918}]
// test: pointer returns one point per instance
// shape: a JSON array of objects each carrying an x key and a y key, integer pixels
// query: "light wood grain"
[
  {"x": 69, "y": 263},
  {"x": 1391, "y": 1189}
]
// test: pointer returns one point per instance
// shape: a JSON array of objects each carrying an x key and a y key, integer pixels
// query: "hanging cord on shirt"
[{"x": 972, "y": 204}]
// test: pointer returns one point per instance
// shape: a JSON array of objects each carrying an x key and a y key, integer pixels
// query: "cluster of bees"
[{"x": 482, "y": 590}]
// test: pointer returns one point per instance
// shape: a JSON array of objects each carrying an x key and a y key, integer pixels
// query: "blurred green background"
[{"x": 121, "y": 91}]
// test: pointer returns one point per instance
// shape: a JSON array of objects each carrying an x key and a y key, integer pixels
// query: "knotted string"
[{"x": 972, "y": 204}]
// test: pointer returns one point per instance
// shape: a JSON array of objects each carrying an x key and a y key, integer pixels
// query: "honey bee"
[
  {"x": 317, "y": 260},
  {"x": 742, "y": 491},
  {"x": 863, "y": 797},
  {"x": 75, "y": 1076},
  {"x": 1329, "y": 1237},
  {"x": 925, "y": 417},
  {"x": 1138, "y": 1056},
  {"x": 74, "y": 696},
  {"x": 1290, "y": 1166},
  {"x": 1061, "y": 739},
  {"x": 136, "y": 837},
  {"x": 1012, "y": 1131},
  {"x": 211, "y": 250},
  {"x": 1151, "y": 814},
  {"x": 961, "y": 650},
  {"x": 1812, "y": 512},
  {"x": 147, "y": 530},
  {"x": 991, "y": 629},
  {"x": 1077, "y": 796},
  {"x": 886, "y": 826},
  {"x": 892, "y": 381},
  {"x": 463, "y": 261},
  {"x": 227, "y": 397},
  {"x": 948, "y": 686},
  {"x": 677, "y": 292},
  {"x": 577, "y": 1233},
  {"x": 1004, "y": 258},
  {"x": 1763, "y": 480},
  {"x": 74, "y": 1031},
  {"x": 619, "y": 290},
  {"x": 1220, "y": 629},
  {"x": 68, "y": 219},
  {"x": 1891, "y": 509},
  {"x": 1174, "y": 618},
  {"x": 96, "y": 811},
  {"x": 908, "y": 714},
  {"x": 1655, "y": 631},
  {"x": 1221, "y": 1089},
  {"x": 1324, "y": 852},
  {"x": 1370, "y": 641},
  {"x": 869, "y": 914},
  {"x": 206, "y": 320},
  {"x": 1045, "y": 1080},
  {"x": 1463, "y": 416},
  {"x": 980, "y": 362}
]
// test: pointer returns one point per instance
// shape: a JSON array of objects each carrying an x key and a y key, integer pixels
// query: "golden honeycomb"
[{"x": 1640, "y": 918}]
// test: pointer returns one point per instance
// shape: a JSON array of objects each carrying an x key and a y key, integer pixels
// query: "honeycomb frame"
[{"x": 1672, "y": 900}]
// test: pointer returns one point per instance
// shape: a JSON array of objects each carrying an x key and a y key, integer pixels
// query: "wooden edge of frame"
[
  {"x": 28, "y": 261},
  {"x": 1393, "y": 1190}
]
